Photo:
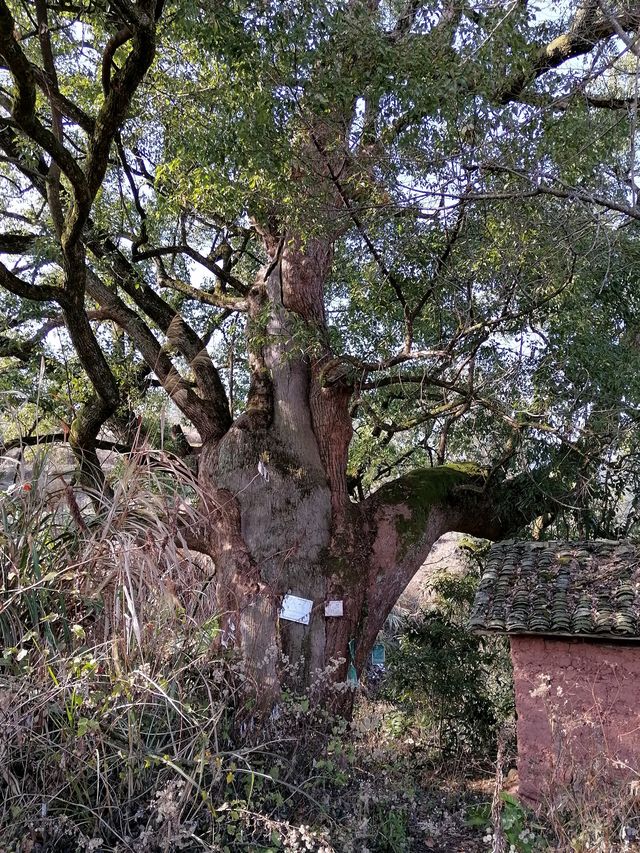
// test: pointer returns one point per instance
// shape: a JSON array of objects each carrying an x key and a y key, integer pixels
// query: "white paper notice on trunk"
[{"x": 296, "y": 609}]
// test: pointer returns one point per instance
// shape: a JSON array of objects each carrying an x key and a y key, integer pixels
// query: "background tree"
[{"x": 352, "y": 242}]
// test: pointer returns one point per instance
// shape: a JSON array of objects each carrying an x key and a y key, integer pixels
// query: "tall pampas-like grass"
[{"x": 114, "y": 567}]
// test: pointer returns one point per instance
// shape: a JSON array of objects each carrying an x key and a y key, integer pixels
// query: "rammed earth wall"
[{"x": 578, "y": 705}]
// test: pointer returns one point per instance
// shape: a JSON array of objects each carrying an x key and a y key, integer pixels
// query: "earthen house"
[{"x": 572, "y": 613}]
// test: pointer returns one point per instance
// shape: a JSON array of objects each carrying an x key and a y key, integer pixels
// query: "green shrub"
[
  {"x": 517, "y": 824},
  {"x": 458, "y": 682}
]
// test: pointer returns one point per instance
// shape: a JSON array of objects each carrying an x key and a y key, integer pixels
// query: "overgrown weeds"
[
  {"x": 124, "y": 722},
  {"x": 118, "y": 702},
  {"x": 125, "y": 725},
  {"x": 596, "y": 818},
  {"x": 112, "y": 568}
]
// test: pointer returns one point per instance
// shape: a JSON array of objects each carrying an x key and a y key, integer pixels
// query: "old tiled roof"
[{"x": 584, "y": 589}]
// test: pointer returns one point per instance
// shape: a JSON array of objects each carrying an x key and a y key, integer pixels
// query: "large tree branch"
[
  {"x": 180, "y": 334},
  {"x": 206, "y": 297},
  {"x": 53, "y": 178},
  {"x": 157, "y": 360},
  {"x": 24, "y": 109},
  {"x": 16, "y": 244},
  {"x": 476, "y": 501},
  {"x": 10, "y": 145},
  {"x": 208, "y": 263},
  {"x": 121, "y": 90},
  {"x": 405, "y": 517},
  {"x": 588, "y": 28},
  {"x": 23, "y": 349},
  {"x": 63, "y": 104},
  {"x": 36, "y": 292},
  {"x": 102, "y": 404},
  {"x": 58, "y": 438},
  {"x": 85, "y": 183},
  {"x": 178, "y": 331}
]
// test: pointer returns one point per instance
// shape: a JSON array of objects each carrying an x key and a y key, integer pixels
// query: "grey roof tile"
[{"x": 565, "y": 588}]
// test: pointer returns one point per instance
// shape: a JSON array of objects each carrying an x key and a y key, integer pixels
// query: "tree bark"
[{"x": 282, "y": 519}]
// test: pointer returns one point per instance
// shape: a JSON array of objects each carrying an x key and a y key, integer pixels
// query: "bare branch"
[
  {"x": 58, "y": 438},
  {"x": 62, "y": 103},
  {"x": 35, "y": 292},
  {"x": 219, "y": 300},
  {"x": 538, "y": 187},
  {"x": 207, "y": 263}
]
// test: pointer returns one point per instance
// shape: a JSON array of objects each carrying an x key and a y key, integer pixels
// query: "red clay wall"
[{"x": 578, "y": 707}]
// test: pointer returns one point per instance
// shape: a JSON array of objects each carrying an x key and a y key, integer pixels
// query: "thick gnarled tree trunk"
[
  {"x": 283, "y": 521},
  {"x": 286, "y": 516}
]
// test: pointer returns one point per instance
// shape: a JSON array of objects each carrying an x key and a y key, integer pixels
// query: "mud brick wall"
[{"x": 578, "y": 706}]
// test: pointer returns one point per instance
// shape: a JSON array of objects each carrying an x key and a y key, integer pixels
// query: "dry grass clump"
[
  {"x": 118, "y": 704},
  {"x": 594, "y": 813},
  {"x": 110, "y": 565},
  {"x": 91, "y": 751},
  {"x": 96, "y": 755}
]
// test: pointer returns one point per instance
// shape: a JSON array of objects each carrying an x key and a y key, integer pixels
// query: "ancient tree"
[{"x": 378, "y": 255}]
